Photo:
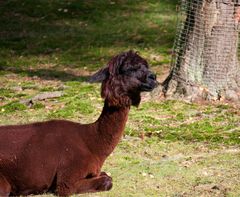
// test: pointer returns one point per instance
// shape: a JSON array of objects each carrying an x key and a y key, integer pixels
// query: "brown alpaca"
[{"x": 65, "y": 157}]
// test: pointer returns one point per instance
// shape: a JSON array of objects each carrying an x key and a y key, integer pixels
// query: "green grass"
[
  {"x": 170, "y": 148},
  {"x": 83, "y": 34}
]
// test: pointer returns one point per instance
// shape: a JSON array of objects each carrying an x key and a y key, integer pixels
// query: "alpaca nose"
[{"x": 152, "y": 76}]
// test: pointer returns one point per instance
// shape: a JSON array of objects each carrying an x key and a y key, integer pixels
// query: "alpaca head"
[{"x": 124, "y": 78}]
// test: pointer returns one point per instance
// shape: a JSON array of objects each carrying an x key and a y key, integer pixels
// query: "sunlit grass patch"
[
  {"x": 176, "y": 120},
  {"x": 169, "y": 148},
  {"x": 12, "y": 107},
  {"x": 6, "y": 93}
]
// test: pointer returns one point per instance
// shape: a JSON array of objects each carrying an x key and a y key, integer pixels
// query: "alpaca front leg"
[{"x": 103, "y": 182}]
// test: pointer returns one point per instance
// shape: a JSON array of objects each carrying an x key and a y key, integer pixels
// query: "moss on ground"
[{"x": 170, "y": 148}]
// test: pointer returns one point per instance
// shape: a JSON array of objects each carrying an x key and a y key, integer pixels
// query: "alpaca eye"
[
  {"x": 128, "y": 71},
  {"x": 133, "y": 69}
]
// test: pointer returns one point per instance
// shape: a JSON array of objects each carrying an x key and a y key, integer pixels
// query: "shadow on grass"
[
  {"x": 82, "y": 33},
  {"x": 47, "y": 74}
]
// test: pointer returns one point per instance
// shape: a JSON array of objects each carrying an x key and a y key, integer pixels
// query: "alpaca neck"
[{"x": 110, "y": 127}]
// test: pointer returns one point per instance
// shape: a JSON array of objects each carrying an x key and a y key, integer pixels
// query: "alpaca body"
[
  {"x": 81, "y": 154},
  {"x": 65, "y": 157}
]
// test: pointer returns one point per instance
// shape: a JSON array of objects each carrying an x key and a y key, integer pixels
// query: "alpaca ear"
[{"x": 99, "y": 76}]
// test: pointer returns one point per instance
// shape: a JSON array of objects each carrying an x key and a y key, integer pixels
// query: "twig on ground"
[{"x": 42, "y": 96}]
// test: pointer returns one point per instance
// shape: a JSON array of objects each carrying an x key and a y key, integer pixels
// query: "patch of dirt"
[
  {"x": 211, "y": 189},
  {"x": 187, "y": 160}
]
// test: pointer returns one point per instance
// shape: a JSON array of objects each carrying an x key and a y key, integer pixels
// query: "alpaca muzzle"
[{"x": 151, "y": 83}]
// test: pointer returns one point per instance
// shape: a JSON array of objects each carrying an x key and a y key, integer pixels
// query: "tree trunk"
[{"x": 206, "y": 60}]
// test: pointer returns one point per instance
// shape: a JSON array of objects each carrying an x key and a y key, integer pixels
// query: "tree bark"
[{"x": 206, "y": 60}]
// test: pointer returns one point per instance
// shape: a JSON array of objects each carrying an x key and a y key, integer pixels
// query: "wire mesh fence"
[{"x": 205, "y": 49}]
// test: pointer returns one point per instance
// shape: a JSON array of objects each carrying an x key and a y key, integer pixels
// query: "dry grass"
[{"x": 170, "y": 148}]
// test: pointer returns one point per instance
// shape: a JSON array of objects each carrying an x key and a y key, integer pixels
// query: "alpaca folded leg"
[
  {"x": 103, "y": 182},
  {"x": 5, "y": 187}
]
